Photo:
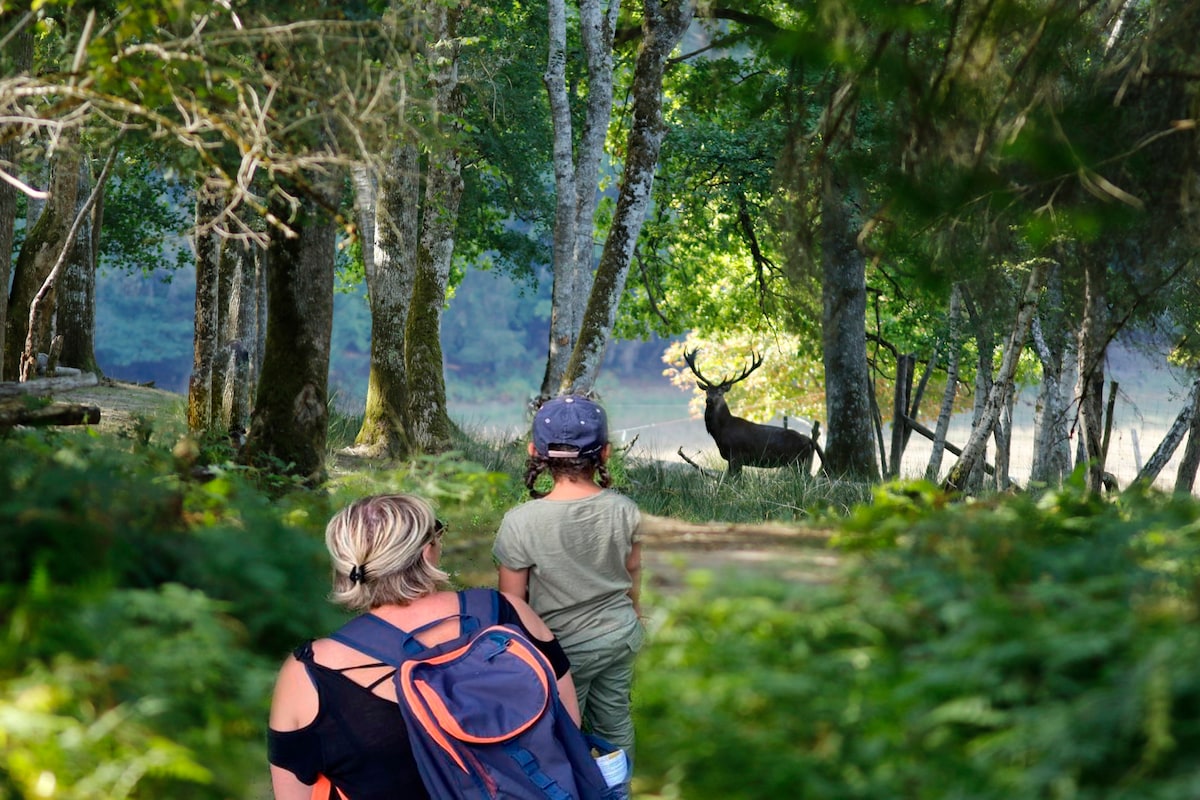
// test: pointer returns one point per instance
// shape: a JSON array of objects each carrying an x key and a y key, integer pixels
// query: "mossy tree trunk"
[
  {"x": 289, "y": 427},
  {"x": 15, "y": 58},
  {"x": 663, "y": 24},
  {"x": 429, "y": 427},
  {"x": 390, "y": 266},
  {"x": 204, "y": 343},
  {"x": 39, "y": 253}
]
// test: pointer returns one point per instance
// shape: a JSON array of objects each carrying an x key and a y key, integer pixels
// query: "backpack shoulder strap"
[
  {"x": 380, "y": 639},
  {"x": 482, "y": 606}
]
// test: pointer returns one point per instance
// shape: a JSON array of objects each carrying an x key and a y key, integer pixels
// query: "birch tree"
[
  {"x": 663, "y": 24},
  {"x": 1002, "y": 386},
  {"x": 576, "y": 171}
]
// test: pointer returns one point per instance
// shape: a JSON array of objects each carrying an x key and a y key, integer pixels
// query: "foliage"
[
  {"x": 1034, "y": 647},
  {"x": 139, "y": 649},
  {"x": 1027, "y": 646}
]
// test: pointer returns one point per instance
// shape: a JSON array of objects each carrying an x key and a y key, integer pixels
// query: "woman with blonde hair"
[{"x": 334, "y": 713}]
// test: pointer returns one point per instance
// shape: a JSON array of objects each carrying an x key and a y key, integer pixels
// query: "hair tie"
[{"x": 358, "y": 574}]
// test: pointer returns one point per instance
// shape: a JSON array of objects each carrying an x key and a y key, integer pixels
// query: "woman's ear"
[
  {"x": 605, "y": 452},
  {"x": 532, "y": 450}
]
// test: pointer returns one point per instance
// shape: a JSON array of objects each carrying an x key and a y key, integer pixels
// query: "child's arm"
[
  {"x": 634, "y": 565},
  {"x": 514, "y": 582}
]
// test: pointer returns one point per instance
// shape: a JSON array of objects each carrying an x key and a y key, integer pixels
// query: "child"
[{"x": 574, "y": 552}]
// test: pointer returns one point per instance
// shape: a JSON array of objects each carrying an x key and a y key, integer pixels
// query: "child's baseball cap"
[{"x": 569, "y": 427}]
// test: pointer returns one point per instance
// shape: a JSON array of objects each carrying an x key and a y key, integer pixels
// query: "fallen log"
[
  {"x": 52, "y": 414},
  {"x": 64, "y": 381}
]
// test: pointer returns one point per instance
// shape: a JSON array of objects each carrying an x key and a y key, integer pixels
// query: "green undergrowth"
[
  {"x": 1019, "y": 647},
  {"x": 1024, "y": 647}
]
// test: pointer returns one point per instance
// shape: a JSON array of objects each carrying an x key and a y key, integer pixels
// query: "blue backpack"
[{"x": 483, "y": 711}]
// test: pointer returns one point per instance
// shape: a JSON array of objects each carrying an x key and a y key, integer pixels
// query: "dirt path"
[{"x": 672, "y": 548}]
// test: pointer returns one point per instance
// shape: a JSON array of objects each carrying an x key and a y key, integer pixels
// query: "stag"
[{"x": 743, "y": 443}]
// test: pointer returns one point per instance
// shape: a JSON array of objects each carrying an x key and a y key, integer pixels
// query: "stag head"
[{"x": 723, "y": 385}]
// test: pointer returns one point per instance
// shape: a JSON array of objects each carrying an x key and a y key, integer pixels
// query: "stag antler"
[
  {"x": 705, "y": 384},
  {"x": 690, "y": 359}
]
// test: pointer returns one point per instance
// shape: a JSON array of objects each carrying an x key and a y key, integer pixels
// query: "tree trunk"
[
  {"x": 1093, "y": 341},
  {"x": 1002, "y": 387},
  {"x": 223, "y": 361},
  {"x": 77, "y": 290},
  {"x": 291, "y": 417},
  {"x": 39, "y": 253},
  {"x": 206, "y": 325},
  {"x": 1185, "y": 477},
  {"x": 1051, "y": 437},
  {"x": 985, "y": 347},
  {"x": 429, "y": 427},
  {"x": 16, "y": 58},
  {"x": 1170, "y": 442},
  {"x": 934, "y": 468},
  {"x": 241, "y": 336},
  {"x": 391, "y": 273},
  {"x": 576, "y": 173},
  {"x": 849, "y": 450},
  {"x": 663, "y": 24},
  {"x": 905, "y": 367}
]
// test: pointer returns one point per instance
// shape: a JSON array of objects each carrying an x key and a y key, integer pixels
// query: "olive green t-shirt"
[{"x": 575, "y": 551}]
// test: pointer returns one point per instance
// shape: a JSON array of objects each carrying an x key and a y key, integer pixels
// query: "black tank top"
[{"x": 358, "y": 739}]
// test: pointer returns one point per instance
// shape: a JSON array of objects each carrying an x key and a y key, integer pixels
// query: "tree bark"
[
  {"x": 954, "y": 319},
  {"x": 429, "y": 426},
  {"x": 1170, "y": 442},
  {"x": 53, "y": 414},
  {"x": 576, "y": 172},
  {"x": 1093, "y": 341},
  {"x": 905, "y": 366},
  {"x": 1185, "y": 477},
  {"x": 241, "y": 335},
  {"x": 849, "y": 450},
  {"x": 16, "y": 59},
  {"x": 206, "y": 335},
  {"x": 391, "y": 272},
  {"x": 222, "y": 364},
  {"x": 1002, "y": 386},
  {"x": 290, "y": 424},
  {"x": 48, "y": 386},
  {"x": 1051, "y": 438},
  {"x": 77, "y": 291},
  {"x": 985, "y": 346},
  {"x": 41, "y": 249},
  {"x": 663, "y": 24}
]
